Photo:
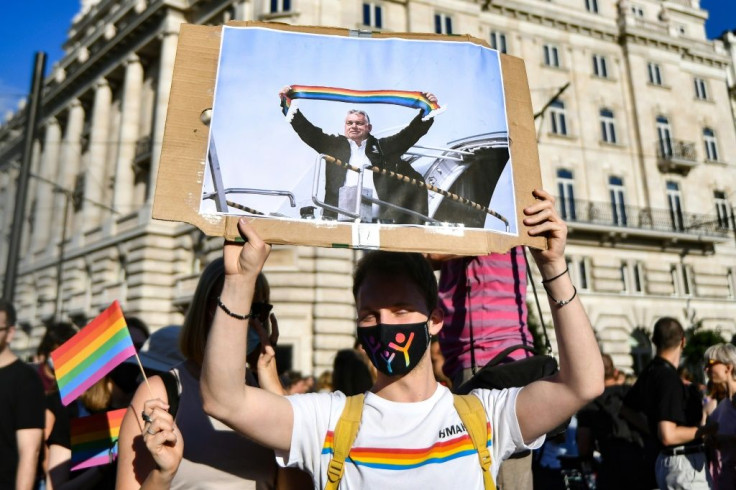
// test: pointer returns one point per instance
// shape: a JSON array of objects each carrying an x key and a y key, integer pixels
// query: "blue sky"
[{"x": 27, "y": 26}]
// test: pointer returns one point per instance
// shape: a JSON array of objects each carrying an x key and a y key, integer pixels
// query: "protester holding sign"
[
  {"x": 409, "y": 430},
  {"x": 166, "y": 440}
]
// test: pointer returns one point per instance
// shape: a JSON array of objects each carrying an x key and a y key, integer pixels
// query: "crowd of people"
[{"x": 215, "y": 411}]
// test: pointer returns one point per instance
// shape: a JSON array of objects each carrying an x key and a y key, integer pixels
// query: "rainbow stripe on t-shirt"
[{"x": 404, "y": 459}]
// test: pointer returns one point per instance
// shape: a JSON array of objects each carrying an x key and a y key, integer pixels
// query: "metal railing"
[
  {"x": 671, "y": 149},
  {"x": 660, "y": 220}
]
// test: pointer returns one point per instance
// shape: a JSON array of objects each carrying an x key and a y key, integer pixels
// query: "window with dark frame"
[
  {"x": 722, "y": 209},
  {"x": 608, "y": 126},
  {"x": 566, "y": 194},
  {"x": 618, "y": 201},
  {"x": 279, "y": 6},
  {"x": 498, "y": 41},
  {"x": 655, "y": 73},
  {"x": 442, "y": 24},
  {"x": 372, "y": 15},
  {"x": 599, "y": 66},
  {"x": 591, "y": 6},
  {"x": 711, "y": 145},
  {"x": 701, "y": 89},
  {"x": 558, "y": 118},
  {"x": 551, "y": 55}
]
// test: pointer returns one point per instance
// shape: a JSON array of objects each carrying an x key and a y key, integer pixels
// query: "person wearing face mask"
[
  {"x": 171, "y": 443},
  {"x": 410, "y": 435}
]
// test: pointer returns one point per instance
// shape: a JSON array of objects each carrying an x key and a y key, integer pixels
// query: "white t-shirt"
[
  {"x": 419, "y": 445},
  {"x": 359, "y": 159}
]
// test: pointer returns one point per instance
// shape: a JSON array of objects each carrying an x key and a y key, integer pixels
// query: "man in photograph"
[
  {"x": 359, "y": 148},
  {"x": 409, "y": 430}
]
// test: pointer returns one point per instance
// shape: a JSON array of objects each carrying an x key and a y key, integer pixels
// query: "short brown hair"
[
  {"x": 196, "y": 326},
  {"x": 413, "y": 266},
  {"x": 668, "y": 333}
]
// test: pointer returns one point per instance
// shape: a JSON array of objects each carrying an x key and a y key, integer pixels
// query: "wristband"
[
  {"x": 562, "y": 302},
  {"x": 230, "y": 313},
  {"x": 545, "y": 281}
]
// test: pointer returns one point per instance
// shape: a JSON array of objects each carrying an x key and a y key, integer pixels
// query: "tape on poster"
[{"x": 367, "y": 236}]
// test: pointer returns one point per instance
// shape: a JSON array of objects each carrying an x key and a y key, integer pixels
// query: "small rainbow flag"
[
  {"x": 94, "y": 439},
  {"x": 417, "y": 100},
  {"x": 92, "y": 353}
]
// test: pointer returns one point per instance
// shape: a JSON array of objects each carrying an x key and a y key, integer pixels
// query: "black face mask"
[{"x": 395, "y": 349}]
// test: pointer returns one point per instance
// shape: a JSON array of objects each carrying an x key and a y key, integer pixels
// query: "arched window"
[
  {"x": 664, "y": 136},
  {"x": 566, "y": 194},
  {"x": 608, "y": 126},
  {"x": 558, "y": 119},
  {"x": 711, "y": 145}
]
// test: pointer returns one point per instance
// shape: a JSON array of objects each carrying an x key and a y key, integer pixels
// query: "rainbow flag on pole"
[
  {"x": 92, "y": 353},
  {"x": 94, "y": 439}
]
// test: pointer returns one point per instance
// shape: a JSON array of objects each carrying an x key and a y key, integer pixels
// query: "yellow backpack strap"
[
  {"x": 343, "y": 438},
  {"x": 473, "y": 415}
]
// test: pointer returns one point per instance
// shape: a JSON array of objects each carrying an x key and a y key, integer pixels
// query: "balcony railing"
[
  {"x": 667, "y": 221},
  {"x": 676, "y": 155}
]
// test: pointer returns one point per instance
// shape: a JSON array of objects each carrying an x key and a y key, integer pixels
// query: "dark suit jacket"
[{"x": 383, "y": 153}]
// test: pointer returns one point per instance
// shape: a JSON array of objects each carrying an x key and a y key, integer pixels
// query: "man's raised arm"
[
  {"x": 264, "y": 417},
  {"x": 545, "y": 404}
]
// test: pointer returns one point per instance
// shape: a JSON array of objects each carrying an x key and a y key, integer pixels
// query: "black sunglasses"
[{"x": 261, "y": 310}]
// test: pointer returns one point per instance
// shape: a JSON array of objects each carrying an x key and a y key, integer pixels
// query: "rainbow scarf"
[
  {"x": 94, "y": 438},
  {"x": 92, "y": 353},
  {"x": 416, "y": 100}
]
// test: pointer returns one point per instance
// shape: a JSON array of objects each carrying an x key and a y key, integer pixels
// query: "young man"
[
  {"x": 410, "y": 433},
  {"x": 673, "y": 416},
  {"x": 22, "y": 407}
]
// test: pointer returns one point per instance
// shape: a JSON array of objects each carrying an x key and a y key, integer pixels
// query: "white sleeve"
[
  {"x": 501, "y": 411},
  {"x": 314, "y": 415}
]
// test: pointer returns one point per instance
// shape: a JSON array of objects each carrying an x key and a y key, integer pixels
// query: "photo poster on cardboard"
[{"x": 433, "y": 169}]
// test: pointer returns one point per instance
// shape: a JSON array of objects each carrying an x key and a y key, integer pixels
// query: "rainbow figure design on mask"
[
  {"x": 400, "y": 337},
  {"x": 373, "y": 346}
]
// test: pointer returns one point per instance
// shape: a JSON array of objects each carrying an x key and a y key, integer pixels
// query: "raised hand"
[
  {"x": 245, "y": 260},
  {"x": 162, "y": 436},
  {"x": 543, "y": 220}
]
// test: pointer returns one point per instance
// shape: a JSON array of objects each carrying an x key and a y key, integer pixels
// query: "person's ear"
[
  {"x": 436, "y": 320},
  {"x": 369, "y": 127},
  {"x": 11, "y": 333}
]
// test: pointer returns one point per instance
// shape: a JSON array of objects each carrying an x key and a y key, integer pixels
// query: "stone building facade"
[{"x": 636, "y": 139}]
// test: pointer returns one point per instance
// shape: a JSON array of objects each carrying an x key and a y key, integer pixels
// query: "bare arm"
[
  {"x": 29, "y": 448},
  {"x": 137, "y": 466},
  {"x": 672, "y": 434},
  {"x": 268, "y": 376},
  {"x": 262, "y": 416},
  {"x": 545, "y": 404}
]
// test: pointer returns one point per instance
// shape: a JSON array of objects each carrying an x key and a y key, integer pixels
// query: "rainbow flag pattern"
[
  {"x": 391, "y": 458},
  {"x": 92, "y": 353},
  {"x": 416, "y": 100},
  {"x": 94, "y": 439}
]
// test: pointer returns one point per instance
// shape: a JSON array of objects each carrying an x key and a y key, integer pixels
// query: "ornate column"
[
  {"x": 95, "y": 184},
  {"x": 169, "y": 39},
  {"x": 45, "y": 191},
  {"x": 123, "y": 192},
  {"x": 68, "y": 163}
]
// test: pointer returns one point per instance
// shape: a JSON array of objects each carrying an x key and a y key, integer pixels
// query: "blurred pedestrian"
[
  {"x": 673, "y": 417},
  {"x": 21, "y": 411},
  {"x": 720, "y": 366}
]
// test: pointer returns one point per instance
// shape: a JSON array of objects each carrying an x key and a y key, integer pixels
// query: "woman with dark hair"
[{"x": 188, "y": 449}]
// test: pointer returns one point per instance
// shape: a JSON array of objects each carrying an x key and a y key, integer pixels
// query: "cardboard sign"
[{"x": 329, "y": 137}]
